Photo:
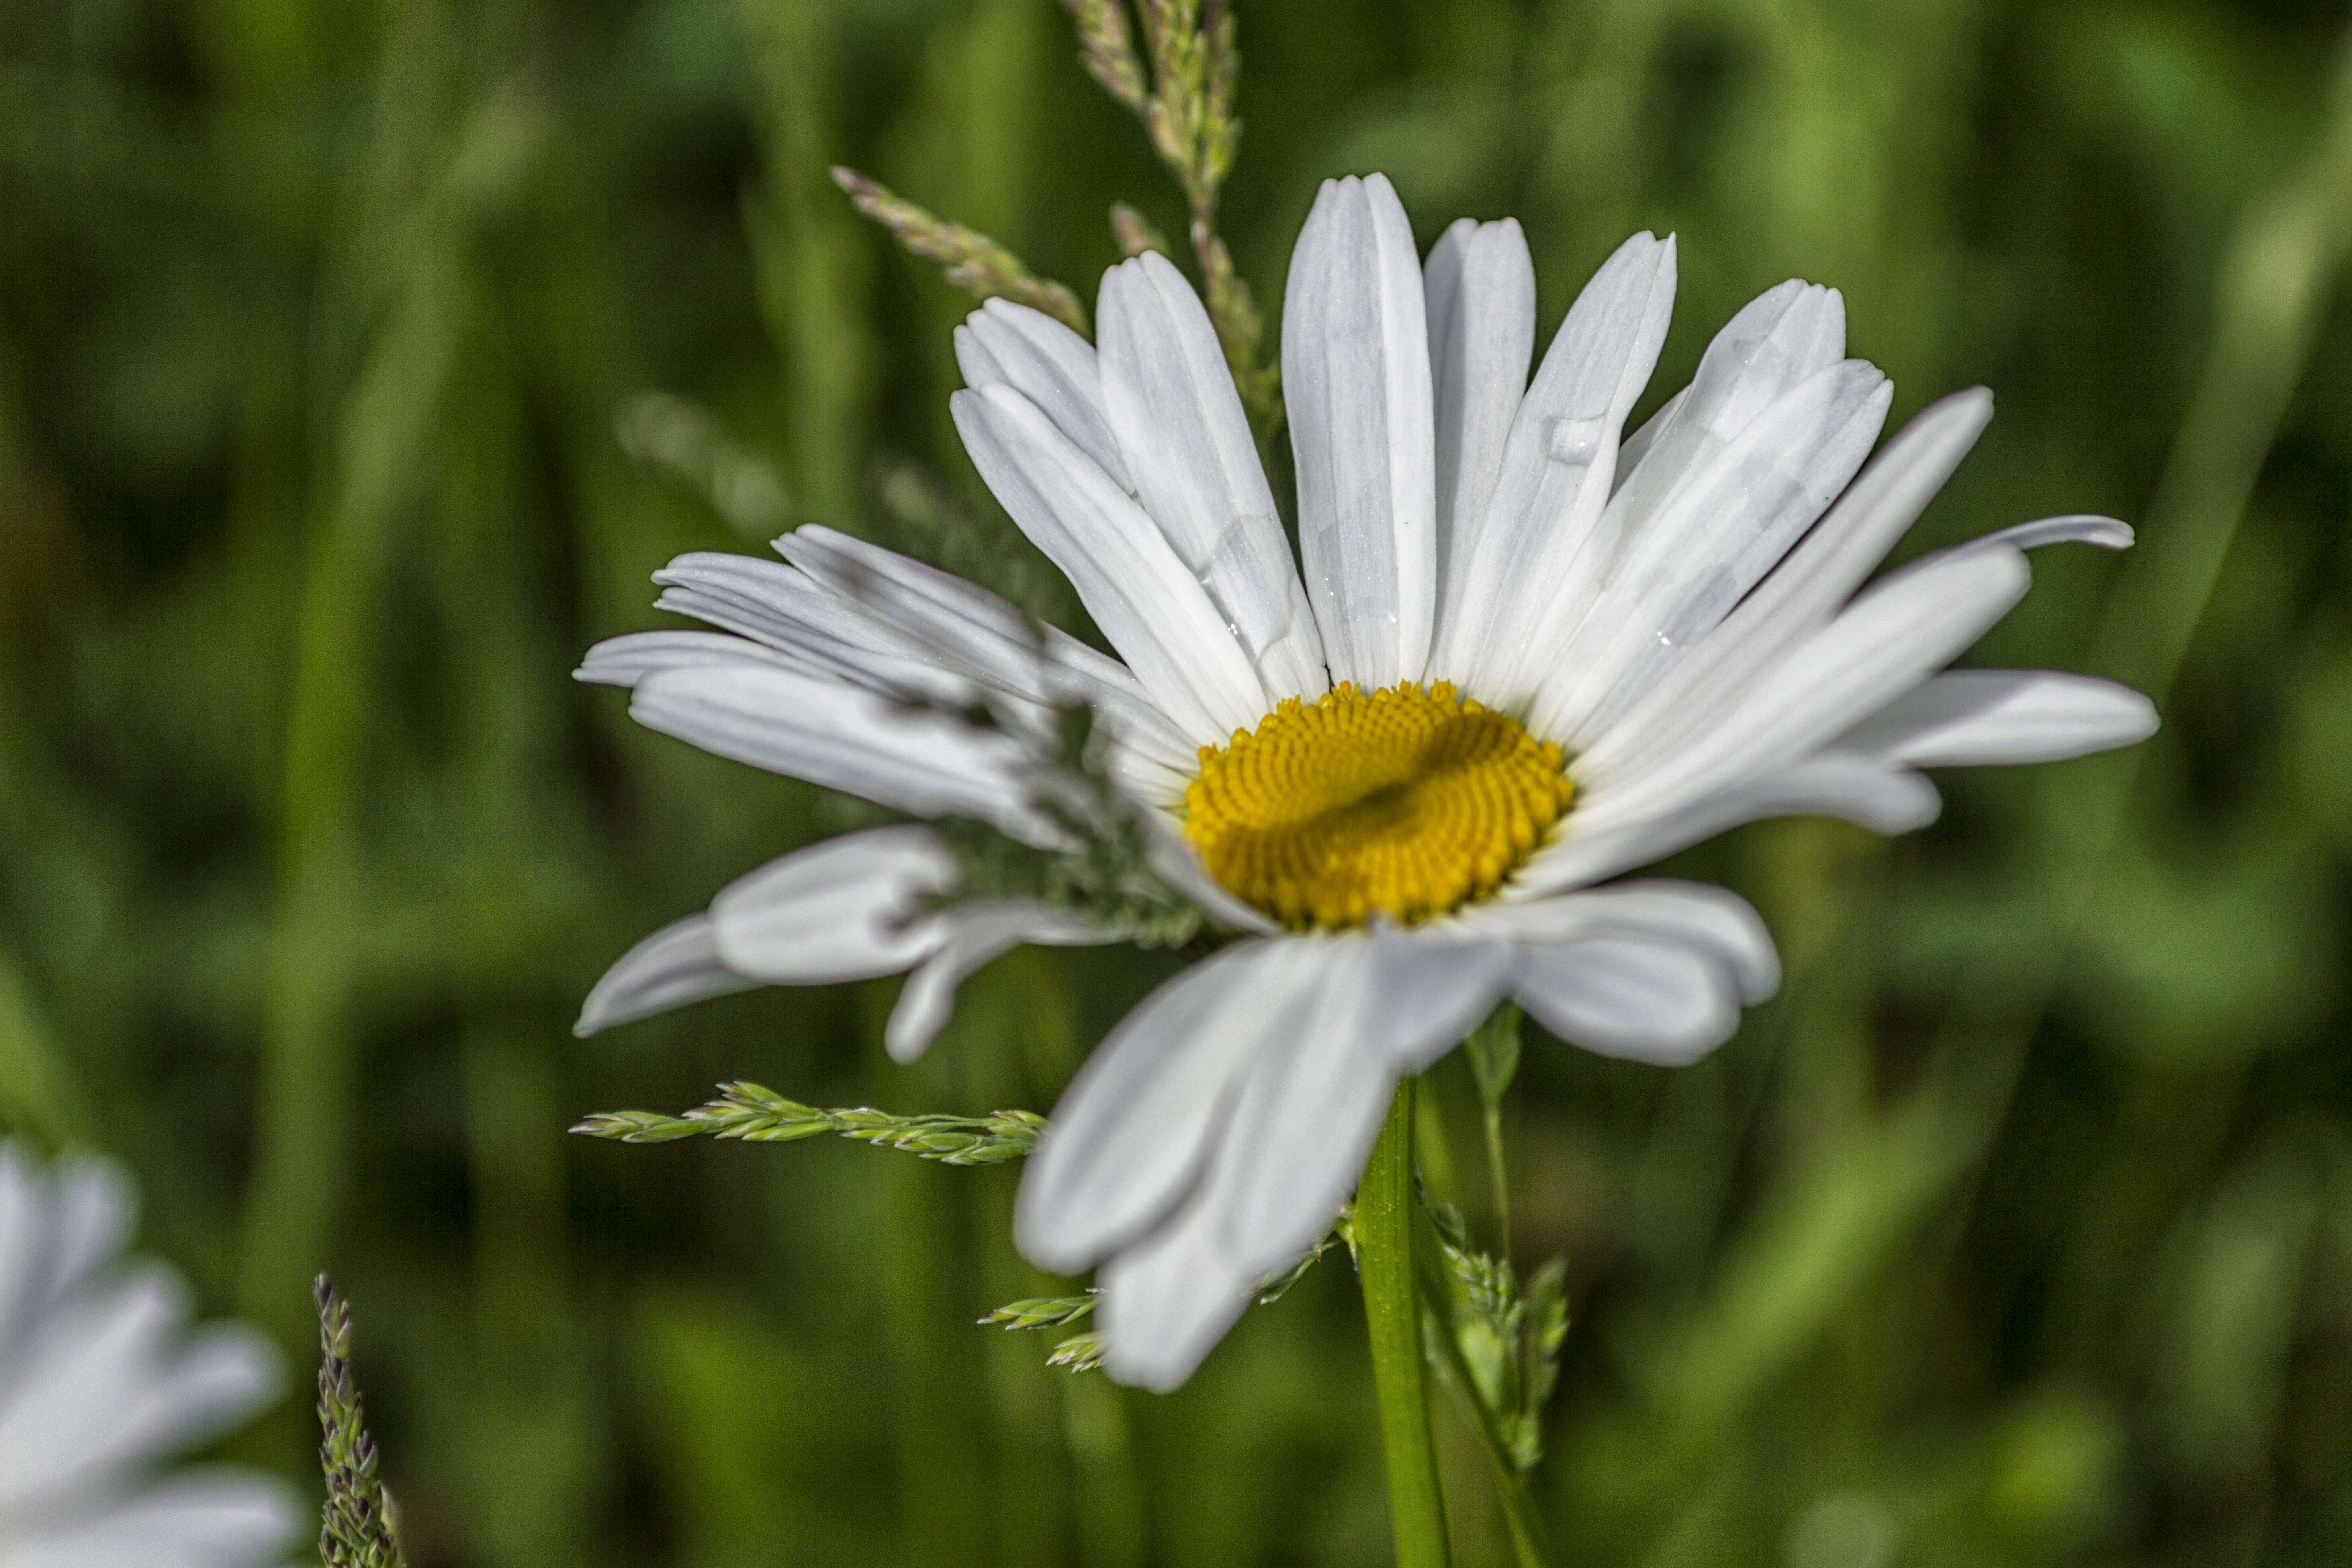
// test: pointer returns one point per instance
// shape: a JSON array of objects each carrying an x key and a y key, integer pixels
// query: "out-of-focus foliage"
[{"x": 357, "y": 362}]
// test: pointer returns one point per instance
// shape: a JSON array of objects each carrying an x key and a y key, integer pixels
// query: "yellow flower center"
[{"x": 1408, "y": 801}]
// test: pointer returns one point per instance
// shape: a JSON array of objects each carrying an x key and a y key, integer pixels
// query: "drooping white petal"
[
  {"x": 1805, "y": 591},
  {"x": 1479, "y": 286},
  {"x": 1155, "y": 613},
  {"x": 1526, "y": 555},
  {"x": 1356, "y": 385},
  {"x": 1969, "y": 718},
  {"x": 1166, "y": 1301},
  {"x": 1307, "y": 1110},
  {"x": 678, "y": 964},
  {"x": 1390, "y": 1003},
  {"x": 850, "y": 908},
  {"x": 1708, "y": 540},
  {"x": 1625, "y": 996},
  {"x": 1131, "y": 1133},
  {"x": 1179, "y": 422},
  {"x": 1712, "y": 920},
  {"x": 1886, "y": 642},
  {"x": 975, "y": 934},
  {"x": 1054, "y": 368},
  {"x": 923, "y": 762}
]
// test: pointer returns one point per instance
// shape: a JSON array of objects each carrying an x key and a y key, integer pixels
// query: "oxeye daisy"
[
  {"x": 1516, "y": 654},
  {"x": 100, "y": 1384}
]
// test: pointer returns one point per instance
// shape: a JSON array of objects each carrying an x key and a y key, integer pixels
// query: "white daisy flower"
[
  {"x": 1524, "y": 657},
  {"x": 101, "y": 1385}
]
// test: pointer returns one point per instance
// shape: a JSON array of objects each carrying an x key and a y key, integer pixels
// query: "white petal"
[
  {"x": 1620, "y": 996},
  {"x": 678, "y": 964},
  {"x": 1390, "y": 1003},
  {"x": 626, "y": 660},
  {"x": 1480, "y": 289},
  {"x": 1046, "y": 361},
  {"x": 1777, "y": 342},
  {"x": 1970, "y": 717},
  {"x": 1130, "y": 1135},
  {"x": 1636, "y": 446},
  {"x": 1166, "y": 1302},
  {"x": 862, "y": 616},
  {"x": 1711, "y": 919},
  {"x": 221, "y": 1519},
  {"x": 775, "y": 604},
  {"x": 1526, "y": 555},
  {"x": 926, "y": 764},
  {"x": 1356, "y": 385},
  {"x": 965, "y": 625},
  {"x": 1307, "y": 1111},
  {"x": 1175, "y": 862},
  {"x": 1735, "y": 467},
  {"x": 1842, "y": 784},
  {"x": 968, "y": 628},
  {"x": 1187, "y": 443},
  {"x": 1292, "y": 1148},
  {"x": 975, "y": 934},
  {"x": 1805, "y": 590},
  {"x": 1887, "y": 641},
  {"x": 848, "y": 909},
  {"x": 1153, "y": 611},
  {"x": 1710, "y": 538}
]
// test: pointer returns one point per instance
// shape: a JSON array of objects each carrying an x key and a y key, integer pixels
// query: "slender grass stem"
[
  {"x": 1498, "y": 1180},
  {"x": 1384, "y": 1221},
  {"x": 1529, "y": 1543}
]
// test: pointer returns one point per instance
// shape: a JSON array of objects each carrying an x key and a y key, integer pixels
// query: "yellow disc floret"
[{"x": 1407, "y": 801}]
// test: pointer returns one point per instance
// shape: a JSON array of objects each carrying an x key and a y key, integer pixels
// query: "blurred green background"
[{"x": 2018, "y": 1230}]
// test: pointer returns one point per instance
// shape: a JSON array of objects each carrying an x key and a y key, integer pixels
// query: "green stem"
[
  {"x": 1527, "y": 1549},
  {"x": 1384, "y": 1218}
]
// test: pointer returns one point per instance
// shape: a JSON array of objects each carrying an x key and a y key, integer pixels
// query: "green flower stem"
[{"x": 1384, "y": 1221}]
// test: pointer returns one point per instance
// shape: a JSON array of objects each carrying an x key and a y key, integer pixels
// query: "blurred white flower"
[
  {"x": 1523, "y": 657},
  {"x": 102, "y": 1386}
]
